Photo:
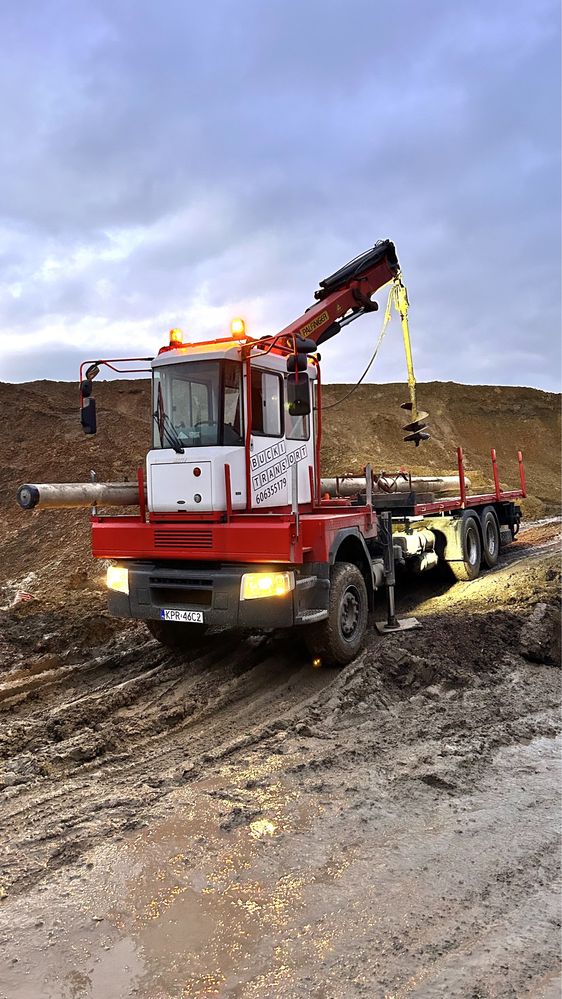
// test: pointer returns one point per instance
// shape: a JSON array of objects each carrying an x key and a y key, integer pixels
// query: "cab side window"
[
  {"x": 232, "y": 415},
  {"x": 266, "y": 404}
]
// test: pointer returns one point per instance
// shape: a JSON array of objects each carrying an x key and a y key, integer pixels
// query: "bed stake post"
[
  {"x": 462, "y": 483},
  {"x": 522, "y": 473},
  {"x": 496, "y": 475}
]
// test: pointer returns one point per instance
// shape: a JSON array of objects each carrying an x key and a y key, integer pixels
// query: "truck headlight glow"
[
  {"x": 118, "y": 578},
  {"x": 266, "y": 584}
]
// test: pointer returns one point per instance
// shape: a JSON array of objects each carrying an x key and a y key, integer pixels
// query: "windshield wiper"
[{"x": 166, "y": 427}]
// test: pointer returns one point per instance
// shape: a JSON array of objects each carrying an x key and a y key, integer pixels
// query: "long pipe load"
[
  {"x": 73, "y": 495},
  {"x": 69, "y": 495}
]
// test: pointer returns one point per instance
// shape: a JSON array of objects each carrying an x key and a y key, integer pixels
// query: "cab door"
[{"x": 272, "y": 456}]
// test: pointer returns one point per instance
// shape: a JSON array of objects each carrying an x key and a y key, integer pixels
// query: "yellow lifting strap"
[{"x": 399, "y": 296}]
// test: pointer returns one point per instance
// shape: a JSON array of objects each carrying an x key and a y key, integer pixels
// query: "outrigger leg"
[{"x": 392, "y": 623}]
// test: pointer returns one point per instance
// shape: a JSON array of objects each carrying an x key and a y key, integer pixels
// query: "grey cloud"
[{"x": 256, "y": 147}]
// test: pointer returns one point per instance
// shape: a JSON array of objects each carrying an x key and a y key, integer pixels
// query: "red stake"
[
  {"x": 311, "y": 484},
  {"x": 228, "y": 489},
  {"x": 462, "y": 484},
  {"x": 496, "y": 475},
  {"x": 142, "y": 502},
  {"x": 522, "y": 473}
]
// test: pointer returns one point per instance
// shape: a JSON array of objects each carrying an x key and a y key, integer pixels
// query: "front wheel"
[
  {"x": 339, "y": 638},
  {"x": 175, "y": 634}
]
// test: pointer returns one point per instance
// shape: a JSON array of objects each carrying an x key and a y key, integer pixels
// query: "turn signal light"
[
  {"x": 118, "y": 578},
  {"x": 266, "y": 584},
  {"x": 238, "y": 328},
  {"x": 176, "y": 338}
]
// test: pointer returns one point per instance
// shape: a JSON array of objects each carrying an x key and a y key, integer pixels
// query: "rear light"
[{"x": 197, "y": 472}]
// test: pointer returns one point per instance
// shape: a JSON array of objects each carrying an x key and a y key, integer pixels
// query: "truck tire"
[
  {"x": 339, "y": 638},
  {"x": 175, "y": 635},
  {"x": 490, "y": 537},
  {"x": 471, "y": 546}
]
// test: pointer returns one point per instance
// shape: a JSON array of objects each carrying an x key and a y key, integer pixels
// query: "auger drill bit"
[{"x": 416, "y": 430}]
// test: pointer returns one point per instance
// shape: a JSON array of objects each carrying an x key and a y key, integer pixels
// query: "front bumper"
[{"x": 215, "y": 590}]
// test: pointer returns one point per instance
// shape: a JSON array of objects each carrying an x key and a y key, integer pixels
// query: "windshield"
[{"x": 197, "y": 404}]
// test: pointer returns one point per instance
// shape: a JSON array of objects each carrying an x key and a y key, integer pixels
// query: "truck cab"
[{"x": 208, "y": 406}]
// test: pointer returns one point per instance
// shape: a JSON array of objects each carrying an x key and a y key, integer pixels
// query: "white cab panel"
[
  {"x": 171, "y": 479},
  {"x": 272, "y": 464}
]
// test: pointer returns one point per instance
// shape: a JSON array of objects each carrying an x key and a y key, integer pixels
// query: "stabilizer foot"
[{"x": 406, "y": 624}]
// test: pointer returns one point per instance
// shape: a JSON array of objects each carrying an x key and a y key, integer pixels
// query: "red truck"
[{"x": 236, "y": 527}]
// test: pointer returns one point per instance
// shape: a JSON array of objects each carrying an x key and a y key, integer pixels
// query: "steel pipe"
[
  {"x": 70, "y": 495},
  {"x": 439, "y": 485}
]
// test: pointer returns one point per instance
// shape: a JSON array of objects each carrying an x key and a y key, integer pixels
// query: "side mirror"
[
  {"x": 298, "y": 394},
  {"x": 87, "y": 402},
  {"x": 88, "y": 415},
  {"x": 297, "y": 362}
]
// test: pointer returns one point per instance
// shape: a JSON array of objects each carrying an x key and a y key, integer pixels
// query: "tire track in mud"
[{"x": 212, "y": 713}]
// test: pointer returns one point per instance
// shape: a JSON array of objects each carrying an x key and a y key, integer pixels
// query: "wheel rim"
[
  {"x": 472, "y": 545},
  {"x": 491, "y": 540},
  {"x": 349, "y": 613}
]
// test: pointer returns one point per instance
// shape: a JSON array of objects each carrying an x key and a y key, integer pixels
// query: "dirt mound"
[
  {"x": 367, "y": 427},
  {"x": 41, "y": 441}
]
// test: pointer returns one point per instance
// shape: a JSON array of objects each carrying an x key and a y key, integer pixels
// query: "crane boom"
[{"x": 346, "y": 294}]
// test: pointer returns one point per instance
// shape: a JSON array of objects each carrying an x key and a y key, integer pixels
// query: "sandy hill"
[{"x": 41, "y": 440}]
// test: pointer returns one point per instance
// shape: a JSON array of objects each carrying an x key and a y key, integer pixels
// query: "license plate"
[{"x": 189, "y": 617}]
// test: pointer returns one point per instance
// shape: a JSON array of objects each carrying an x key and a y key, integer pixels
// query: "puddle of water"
[
  {"x": 183, "y": 907},
  {"x": 185, "y": 914}
]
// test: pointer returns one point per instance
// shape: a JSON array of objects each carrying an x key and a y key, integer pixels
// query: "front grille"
[{"x": 183, "y": 538}]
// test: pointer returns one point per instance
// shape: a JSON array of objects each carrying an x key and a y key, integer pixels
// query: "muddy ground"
[{"x": 235, "y": 823}]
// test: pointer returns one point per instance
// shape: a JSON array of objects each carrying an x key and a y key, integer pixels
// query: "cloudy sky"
[{"x": 174, "y": 164}]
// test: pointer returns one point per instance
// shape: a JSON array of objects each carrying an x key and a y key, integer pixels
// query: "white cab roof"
[{"x": 218, "y": 351}]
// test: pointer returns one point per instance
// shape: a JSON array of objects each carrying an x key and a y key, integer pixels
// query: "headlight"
[
  {"x": 118, "y": 578},
  {"x": 266, "y": 584}
]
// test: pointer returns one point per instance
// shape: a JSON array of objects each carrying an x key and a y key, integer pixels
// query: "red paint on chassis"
[{"x": 245, "y": 538}]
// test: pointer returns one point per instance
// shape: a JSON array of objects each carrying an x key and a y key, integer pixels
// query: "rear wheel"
[
  {"x": 339, "y": 638},
  {"x": 490, "y": 537},
  {"x": 176, "y": 635},
  {"x": 471, "y": 547}
]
